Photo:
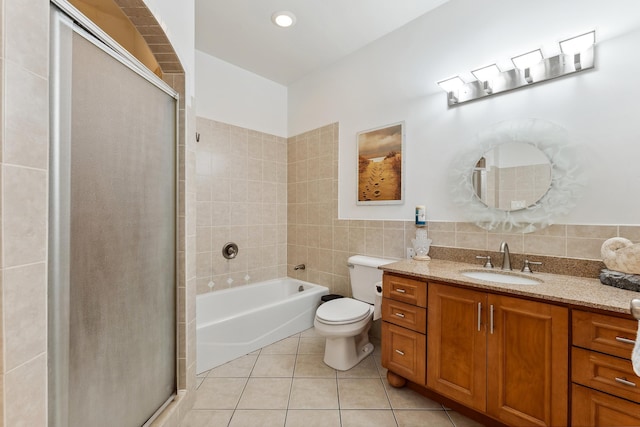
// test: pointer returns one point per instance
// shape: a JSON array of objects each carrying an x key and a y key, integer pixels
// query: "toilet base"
[{"x": 343, "y": 353}]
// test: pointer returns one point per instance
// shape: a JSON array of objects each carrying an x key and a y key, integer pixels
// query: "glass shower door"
[{"x": 113, "y": 237}]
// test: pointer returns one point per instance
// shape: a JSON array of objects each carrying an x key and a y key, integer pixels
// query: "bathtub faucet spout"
[{"x": 299, "y": 267}]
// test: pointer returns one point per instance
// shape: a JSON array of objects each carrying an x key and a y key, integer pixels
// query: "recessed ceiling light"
[{"x": 283, "y": 19}]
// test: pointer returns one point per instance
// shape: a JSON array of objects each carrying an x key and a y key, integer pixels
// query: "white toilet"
[{"x": 345, "y": 322}]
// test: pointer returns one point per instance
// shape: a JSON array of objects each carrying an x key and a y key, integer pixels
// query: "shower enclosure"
[{"x": 112, "y": 250}]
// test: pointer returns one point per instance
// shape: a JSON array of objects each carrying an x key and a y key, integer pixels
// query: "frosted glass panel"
[{"x": 121, "y": 356}]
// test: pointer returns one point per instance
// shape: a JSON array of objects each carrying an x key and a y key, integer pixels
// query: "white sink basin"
[{"x": 496, "y": 276}]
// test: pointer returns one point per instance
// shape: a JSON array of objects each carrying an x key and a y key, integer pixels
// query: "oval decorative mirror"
[
  {"x": 512, "y": 176},
  {"x": 520, "y": 176}
]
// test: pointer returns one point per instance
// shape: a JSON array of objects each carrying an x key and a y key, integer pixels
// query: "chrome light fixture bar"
[{"x": 530, "y": 68}]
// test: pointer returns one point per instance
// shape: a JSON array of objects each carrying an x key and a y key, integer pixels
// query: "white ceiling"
[{"x": 241, "y": 32}]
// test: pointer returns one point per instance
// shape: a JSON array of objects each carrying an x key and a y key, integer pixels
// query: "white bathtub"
[{"x": 233, "y": 322}]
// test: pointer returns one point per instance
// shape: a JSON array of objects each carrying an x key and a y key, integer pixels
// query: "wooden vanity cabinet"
[
  {"x": 404, "y": 322},
  {"x": 605, "y": 390},
  {"x": 504, "y": 356}
]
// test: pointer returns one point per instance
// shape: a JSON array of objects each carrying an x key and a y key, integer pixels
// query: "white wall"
[
  {"x": 393, "y": 79},
  {"x": 232, "y": 95},
  {"x": 177, "y": 18}
]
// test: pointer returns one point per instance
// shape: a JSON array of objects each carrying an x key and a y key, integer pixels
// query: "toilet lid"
[{"x": 343, "y": 310}]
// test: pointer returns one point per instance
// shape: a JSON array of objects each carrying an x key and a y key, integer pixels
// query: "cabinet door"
[
  {"x": 457, "y": 344},
  {"x": 590, "y": 408},
  {"x": 403, "y": 352},
  {"x": 528, "y": 362}
]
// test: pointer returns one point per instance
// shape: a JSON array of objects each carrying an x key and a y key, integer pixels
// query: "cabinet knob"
[
  {"x": 402, "y": 291},
  {"x": 401, "y": 353},
  {"x": 400, "y": 315}
]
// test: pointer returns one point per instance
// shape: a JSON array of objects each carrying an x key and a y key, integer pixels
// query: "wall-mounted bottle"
[{"x": 421, "y": 215}]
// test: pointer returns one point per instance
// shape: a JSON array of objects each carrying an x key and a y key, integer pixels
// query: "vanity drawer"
[
  {"x": 405, "y": 315},
  {"x": 406, "y": 290},
  {"x": 595, "y": 409},
  {"x": 405, "y": 352},
  {"x": 605, "y": 373},
  {"x": 606, "y": 334}
]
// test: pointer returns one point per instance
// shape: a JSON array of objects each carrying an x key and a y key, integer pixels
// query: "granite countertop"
[{"x": 571, "y": 290}]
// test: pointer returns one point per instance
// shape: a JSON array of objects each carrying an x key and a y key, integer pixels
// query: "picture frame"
[{"x": 380, "y": 165}]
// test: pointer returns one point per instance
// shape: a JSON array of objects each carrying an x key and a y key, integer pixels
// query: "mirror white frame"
[{"x": 568, "y": 180}]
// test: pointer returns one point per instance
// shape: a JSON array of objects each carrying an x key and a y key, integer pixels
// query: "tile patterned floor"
[{"x": 287, "y": 385}]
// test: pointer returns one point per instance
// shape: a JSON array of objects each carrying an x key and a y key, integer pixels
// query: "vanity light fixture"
[
  {"x": 283, "y": 19},
  {"x": 485, "y": 74},
  {"x": 578, "y": 54},
  {"x": 526, "y": 61},
  {"x": 451, "y": 86},
  {"x": 575, "y": 45}
]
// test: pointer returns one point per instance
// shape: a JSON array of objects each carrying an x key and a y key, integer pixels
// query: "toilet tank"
[{"x": 364, "y": 274}]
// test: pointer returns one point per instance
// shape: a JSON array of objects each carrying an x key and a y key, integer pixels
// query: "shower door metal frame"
[{"x": 63, "y": 14}]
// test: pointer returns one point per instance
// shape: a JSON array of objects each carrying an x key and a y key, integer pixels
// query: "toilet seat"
[{"x": 343, "y": 311}]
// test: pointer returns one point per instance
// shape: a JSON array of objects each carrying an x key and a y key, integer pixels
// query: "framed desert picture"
[{"x": 380, "y": 165}]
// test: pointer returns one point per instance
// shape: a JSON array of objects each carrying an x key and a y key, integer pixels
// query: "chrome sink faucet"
[{"x": 506, "y": 257}]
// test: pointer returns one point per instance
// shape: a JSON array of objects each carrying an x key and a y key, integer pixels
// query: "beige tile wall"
[
  {"x": 24, "y": 139},
  {"x": 316, "y": 237},
  {"x": 321, "y": 241},
  {"x": 241, "y": 197}
]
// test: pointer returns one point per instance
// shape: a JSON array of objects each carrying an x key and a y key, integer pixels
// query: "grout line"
[
  {"x": 449, "y": 416},
  {"x": 293, "y": 372},
  {"x": 244, "y": 388}
]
